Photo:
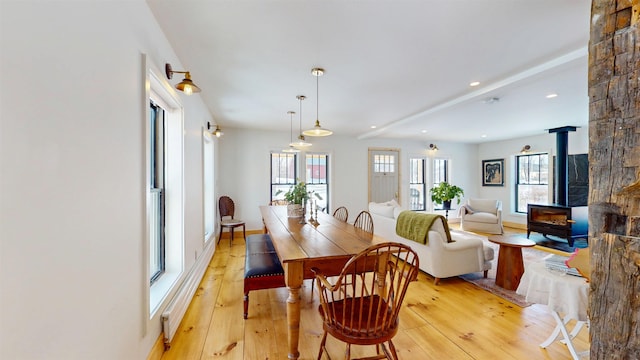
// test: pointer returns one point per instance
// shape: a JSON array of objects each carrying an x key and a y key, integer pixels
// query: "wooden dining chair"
[
  {"x": 226, "y": 209},
  {"x": 341, "y": 214},
  {"x": 364, "y": 221},
  {"x": 363, "y": 310}
]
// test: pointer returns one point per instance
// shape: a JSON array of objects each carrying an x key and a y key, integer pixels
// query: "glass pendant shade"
[
  {"x": 317, "y": 130},
  {"x": 301, "y": 142},
  {"x": 291, "y": 149}
]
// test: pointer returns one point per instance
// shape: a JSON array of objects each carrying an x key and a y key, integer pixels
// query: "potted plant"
[
  {"x": 444, "y": 193},
  {"x": 296, "y": 197}
]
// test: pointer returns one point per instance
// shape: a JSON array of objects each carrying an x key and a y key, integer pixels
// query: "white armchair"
[{"x": 484, "y": 215}]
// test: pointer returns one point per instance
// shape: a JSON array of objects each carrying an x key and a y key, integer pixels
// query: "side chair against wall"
[
  {"x": 341, "y": 214},
  {"x": 364, "y": 221},
  {"x": 362, "y": 306},
  {"x": 227, "y": 210}
]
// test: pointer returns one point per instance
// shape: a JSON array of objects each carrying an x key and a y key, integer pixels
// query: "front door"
[{"x": 383, "y": 175}]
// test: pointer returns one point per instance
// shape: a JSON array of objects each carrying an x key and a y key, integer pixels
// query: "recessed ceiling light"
[
  {"x": 373, "y": 126},
  {"x": 474, "y": 83},
  {"x": 483, "y": 135},
  {"x": 424, "y": 131},
  {"x": 551, "y": 96}
]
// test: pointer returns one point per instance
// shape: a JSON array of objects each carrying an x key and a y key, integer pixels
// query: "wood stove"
[{"x": 562, "y": 221}]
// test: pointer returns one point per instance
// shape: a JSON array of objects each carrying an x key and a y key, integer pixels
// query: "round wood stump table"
[{"x": 510, "y": 264}]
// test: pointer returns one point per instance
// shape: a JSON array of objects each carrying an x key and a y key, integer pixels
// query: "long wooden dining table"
[{"x": 300, "y": 247}]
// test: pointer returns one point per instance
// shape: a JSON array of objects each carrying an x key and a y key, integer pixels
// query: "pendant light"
[
  {"x": 317, "y": 130},
  {"x": 301, "y": 140},
  {"x": 291, "y": 149}
]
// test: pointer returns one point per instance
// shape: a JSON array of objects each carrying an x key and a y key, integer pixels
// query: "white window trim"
[
  {"x": 209, "y": 209},
  {"x": 161, "y": 92}
]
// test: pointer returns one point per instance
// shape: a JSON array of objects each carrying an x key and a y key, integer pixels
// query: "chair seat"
[
  {"x": 232, "y": 222},
  {"x": 482, "y": 217}
]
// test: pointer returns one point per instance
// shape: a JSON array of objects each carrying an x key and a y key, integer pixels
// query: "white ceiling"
[{"x": 404, "y": 66}]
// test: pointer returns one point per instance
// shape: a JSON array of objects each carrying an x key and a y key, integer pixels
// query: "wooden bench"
[{"x": 262, "y": 268}]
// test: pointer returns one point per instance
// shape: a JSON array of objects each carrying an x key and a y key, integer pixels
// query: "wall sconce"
[
  {"x": 433, "y": 147},
  {"x": 525, "y": 149},
  {"x": 186, "y": 85},
  {"x": 217, "y": 132}
]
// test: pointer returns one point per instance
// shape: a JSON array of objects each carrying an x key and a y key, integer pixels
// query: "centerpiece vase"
[{"x": 294, "y": 210}]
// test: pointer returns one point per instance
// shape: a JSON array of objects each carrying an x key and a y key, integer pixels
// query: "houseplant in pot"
[
  {"x": 296, "y": 197},
  {"x": 444, "y": 193}
]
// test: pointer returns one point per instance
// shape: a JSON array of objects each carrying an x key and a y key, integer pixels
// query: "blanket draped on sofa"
[{"x": 415, "y": 226}]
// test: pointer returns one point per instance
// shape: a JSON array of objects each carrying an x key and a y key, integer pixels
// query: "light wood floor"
[{"x": 454, "y": 320}]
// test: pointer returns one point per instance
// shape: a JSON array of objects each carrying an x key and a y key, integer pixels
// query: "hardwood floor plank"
[
  {"x": 453, "y": 320},
  {"x": 435, "y": 345},
  {"x": 190, "y": 337},
  {"x": 225, "y": 338}
]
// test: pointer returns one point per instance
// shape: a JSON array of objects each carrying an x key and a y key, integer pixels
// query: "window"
[
  {"x": 283, "y": 173},
  {"x": 532, "y": 180},
  {"x": 157, "y": 193},
  {"x": 208, "y": 179},
  {"x": 417, "y": 184},
  {"x": 440, "y": 171},
  {"x": 384, "y": 163},
  {"x": 164, "y": 182},
  {"x": 316, "y": 179}
]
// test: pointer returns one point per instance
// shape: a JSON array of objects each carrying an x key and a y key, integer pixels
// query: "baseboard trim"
[
  {"x": 227, "y": 235},
  {"x": 514, "y": 225}
]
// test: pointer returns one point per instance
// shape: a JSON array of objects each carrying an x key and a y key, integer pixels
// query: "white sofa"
[
  {"x": 439, "y": 258},
  {"x": 484, "y": 215}
]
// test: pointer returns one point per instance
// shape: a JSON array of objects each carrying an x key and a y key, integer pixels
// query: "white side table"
[{"x": 562, "y": 293}]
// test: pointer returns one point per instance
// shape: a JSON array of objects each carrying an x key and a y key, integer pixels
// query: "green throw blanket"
[{"x": 415, "y": 226}]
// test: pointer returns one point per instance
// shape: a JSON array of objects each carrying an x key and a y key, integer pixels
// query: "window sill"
[{"x": 159, "y": 291}]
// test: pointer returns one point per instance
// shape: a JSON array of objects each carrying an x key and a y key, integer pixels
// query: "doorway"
[{"x": 384, "y": 184}]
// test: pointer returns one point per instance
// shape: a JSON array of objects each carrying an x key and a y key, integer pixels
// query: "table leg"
[
  {"x": 293, "y": 278},
  {"x": 510, "y": 267},
  {"x": 567, "y": 337}
]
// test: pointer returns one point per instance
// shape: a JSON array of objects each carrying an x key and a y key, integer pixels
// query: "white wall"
[
  {"x": 249, "y": 185},
  {"x": 246, "y": 169},
  {"x": 72, "y": 160},
  {"x": 578, "y": 143}
]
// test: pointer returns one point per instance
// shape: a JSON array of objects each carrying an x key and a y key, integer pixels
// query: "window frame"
[
  {"x": 162, "y": 93},
  {"x": 437, "y": 178},
  {"x": 418, "y": 180},
  {"x": 157, "y": 249},
  {"x": 274, "y": 195},
  {"x": 518, "y": 183},
  {"x": 310, "y": 179},
  {"x": 208, "y": 185}
]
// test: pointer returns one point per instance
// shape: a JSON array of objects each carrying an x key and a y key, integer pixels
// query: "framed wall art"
[{"x": 493, "y": 172}]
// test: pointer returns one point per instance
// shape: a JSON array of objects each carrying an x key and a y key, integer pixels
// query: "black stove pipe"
[{"x": 562, "y": 164}]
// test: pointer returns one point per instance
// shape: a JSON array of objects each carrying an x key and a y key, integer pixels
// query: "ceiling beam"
[{"x": 551, "y": 64}]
